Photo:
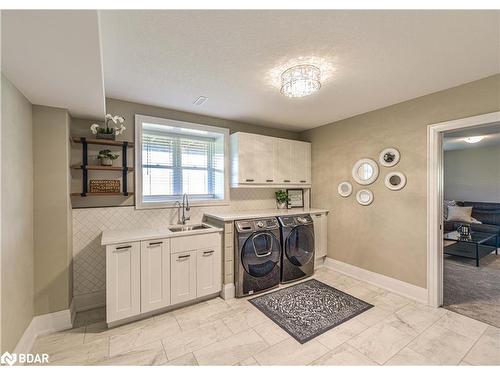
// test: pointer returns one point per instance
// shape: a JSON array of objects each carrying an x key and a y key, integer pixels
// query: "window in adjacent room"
[{"x": 175, "y": 158}]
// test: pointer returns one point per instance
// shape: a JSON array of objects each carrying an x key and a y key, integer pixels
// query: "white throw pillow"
[
  {"x": 446, "y": 204},
  {"x": 458, "y": 213}
]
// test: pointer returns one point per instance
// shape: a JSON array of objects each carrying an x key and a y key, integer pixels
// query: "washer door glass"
[
  {"x": 299, "y": 246},
  {"x": 260, "y": 254}
]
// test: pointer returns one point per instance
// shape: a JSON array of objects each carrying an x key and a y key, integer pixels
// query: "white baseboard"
[
  {"x": 89, "y": 301},
  {"x": 228, "y": 291},
  {"x": 411, "y": 291},
  {"x": 42, "y": 325}
]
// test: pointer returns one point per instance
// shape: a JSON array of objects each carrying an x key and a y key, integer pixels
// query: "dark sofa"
[{"x": 487, "y": 213}]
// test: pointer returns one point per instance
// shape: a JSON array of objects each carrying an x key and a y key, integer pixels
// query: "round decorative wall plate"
[
  {"x": 364, "y": 197},
  {"x": 389, "y": 157},
  {"x": 345, "y": 189},
  {"x": 365, "y": 171},
  {"x": 395, "y": 180}
]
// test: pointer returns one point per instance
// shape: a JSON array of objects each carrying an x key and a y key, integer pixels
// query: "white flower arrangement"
[{"x": 117, "y": 130}]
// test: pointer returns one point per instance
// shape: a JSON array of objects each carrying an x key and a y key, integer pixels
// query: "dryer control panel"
[{"x": 292, "y": 221}]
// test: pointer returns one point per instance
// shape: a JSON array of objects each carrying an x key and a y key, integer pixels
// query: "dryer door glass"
[
  {"x": 260, "y": 254},
  {"x": 299, "y": 247}
]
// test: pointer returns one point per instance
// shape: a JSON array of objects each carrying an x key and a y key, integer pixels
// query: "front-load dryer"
[
  {"x": 258, "y": 255},
  {"x": 297, "y": 239}
]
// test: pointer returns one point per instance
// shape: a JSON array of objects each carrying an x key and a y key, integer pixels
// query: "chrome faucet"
[{"x": 185, "y": 208}]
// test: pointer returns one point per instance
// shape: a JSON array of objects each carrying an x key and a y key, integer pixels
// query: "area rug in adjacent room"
[{"x": 310, "y": 308}]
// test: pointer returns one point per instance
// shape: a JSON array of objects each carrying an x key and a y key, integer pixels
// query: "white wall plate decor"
[
  {"x": 364, "y": 197},
  {"x": 345, "y": 189},
  {"x": 395, "y": 180},
  {"x": 389, "y": 157},
  {"x": 365, "y": 171}
]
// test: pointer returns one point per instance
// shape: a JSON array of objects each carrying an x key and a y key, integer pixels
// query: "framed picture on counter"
[{"x": 295, "y": 198}]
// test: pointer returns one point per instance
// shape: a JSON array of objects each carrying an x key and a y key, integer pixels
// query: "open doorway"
[
  {"x": 464, "y": 216},
  {"x": 471, "y": 222}
]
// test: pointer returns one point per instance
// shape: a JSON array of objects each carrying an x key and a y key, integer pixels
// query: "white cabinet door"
[
  {"x": 123, "y": 281},
  {"x": 155, "y": 274},
  {"x": 183, "y": 280},
  {"x": 243, "y": 158},
  {"x": 284, "y": 164},
  {"x": 320, "y": 234},
  {"x": 301, "y": 162},
  {"x": 264, "y": 159},
  {"x": 208, "y": 271}
]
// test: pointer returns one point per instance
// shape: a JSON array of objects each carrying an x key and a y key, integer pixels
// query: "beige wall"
[
  {"x": 52, "y": 214},
  {"x": 17, "y": 216},
  {"x": 388, "y": 237},
  {"x": 472, "y": 174},
  {"x": 80, "y": 128}
]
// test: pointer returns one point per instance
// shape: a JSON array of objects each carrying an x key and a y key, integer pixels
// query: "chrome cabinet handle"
[
  {"x": 208, "y": 252},
  {"x": 155, "y": 243},
  {"x": 249, "y": 180},
  {"x": 183, "y": 256}
]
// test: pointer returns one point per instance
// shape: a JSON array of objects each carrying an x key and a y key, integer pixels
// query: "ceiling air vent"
[{"x": 200, "y": 100}]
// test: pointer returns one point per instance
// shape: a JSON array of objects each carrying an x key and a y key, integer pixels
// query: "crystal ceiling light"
[
  {"x": 475, "y": 139},
  {"x": 300, "y": 80}
]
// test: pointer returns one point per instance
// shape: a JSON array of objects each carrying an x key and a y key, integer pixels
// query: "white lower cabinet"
[
  {"x": 123, "y": 281},
  {"x": 183, "y": 276},
  {"x": 155, "y": 274},
  {"x": 320, "y": 234},
  {"x": 208, "y": 271}
]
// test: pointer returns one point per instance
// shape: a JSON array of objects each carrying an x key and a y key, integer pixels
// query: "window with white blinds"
[{"x": 179, "y": 158}]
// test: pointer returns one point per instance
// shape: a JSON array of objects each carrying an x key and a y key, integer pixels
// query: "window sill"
[{"x": 173, "y": 204}]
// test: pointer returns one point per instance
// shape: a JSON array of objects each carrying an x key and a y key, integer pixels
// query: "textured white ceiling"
[
  {"x": 54, "y": 59},
  {"x": 455, "y": 140},
  {"x": 373, "y": 58}
]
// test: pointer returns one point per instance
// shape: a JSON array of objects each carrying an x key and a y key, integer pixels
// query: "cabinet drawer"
[{"x": 196, "y": 242}]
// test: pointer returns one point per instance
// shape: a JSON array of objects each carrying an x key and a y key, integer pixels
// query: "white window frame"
[{"x": 139, "y": 120}]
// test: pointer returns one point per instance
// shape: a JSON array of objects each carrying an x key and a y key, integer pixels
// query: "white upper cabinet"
[{"x": 263, "y": 160}]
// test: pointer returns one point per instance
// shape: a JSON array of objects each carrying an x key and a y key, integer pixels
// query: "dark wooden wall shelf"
[
  {"x": 85, "y": 167},
  {"x": 100, "y": 194}
]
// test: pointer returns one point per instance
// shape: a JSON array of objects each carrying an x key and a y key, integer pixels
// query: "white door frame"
[{"x": 435, "y": 198}]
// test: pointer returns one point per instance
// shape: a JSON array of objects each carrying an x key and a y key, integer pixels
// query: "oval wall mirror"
[
  {"x": 345, "y": 188},
  {"x": 364, "y": 197},
  {"x": 365, "y": 171},
  {"x": 395, "y": 180},
  {"x": 389, "y": 157}
]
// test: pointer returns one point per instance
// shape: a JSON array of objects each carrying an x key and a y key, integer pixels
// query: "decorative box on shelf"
[{"x": 104, "y": 186}]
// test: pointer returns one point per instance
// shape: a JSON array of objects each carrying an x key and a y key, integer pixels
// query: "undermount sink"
[{"x": 186, "y": 228}]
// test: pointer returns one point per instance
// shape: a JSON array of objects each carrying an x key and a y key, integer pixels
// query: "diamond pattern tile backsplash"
[{"x": 89, "y": 257}]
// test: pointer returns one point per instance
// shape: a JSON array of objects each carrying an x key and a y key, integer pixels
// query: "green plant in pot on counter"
[
  {"x": 281, "y": 199},
  {"x": 106, "y": 157}
]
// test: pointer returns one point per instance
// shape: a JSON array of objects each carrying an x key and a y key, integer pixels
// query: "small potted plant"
[
  {"x": 281, "y": 199},
  {"x": 109, "y": 132},
  {"x": 106, "y": 157}
]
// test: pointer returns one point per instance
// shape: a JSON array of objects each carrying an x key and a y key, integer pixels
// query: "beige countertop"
[
  {"x": 110, "y": 237},
  {"x": 239, "y": 215}
]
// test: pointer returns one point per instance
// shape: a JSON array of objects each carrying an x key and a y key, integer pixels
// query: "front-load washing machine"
[
  {"x": 297, "y": 239},
  {"x": 257, "y": 255}
]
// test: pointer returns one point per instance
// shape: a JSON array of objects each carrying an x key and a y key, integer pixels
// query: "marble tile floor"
[{"x": 397, "y": 331}]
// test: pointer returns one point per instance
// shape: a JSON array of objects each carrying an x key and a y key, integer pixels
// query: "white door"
[
  {"x": 248, "y": 168},
  {"x": 320, "y": 235},
  {"x": 123, "y": 281},
  {"x": 155, "y": 274},
  {"x": 209, "y": 271},
  {"x": 284, "y": 164},
  {"x": 301, "y": 162},
  {"x": 183, "y": 280}
]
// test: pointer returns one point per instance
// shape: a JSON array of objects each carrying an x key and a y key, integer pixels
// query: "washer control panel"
[{"x": 256, "y": 224}]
